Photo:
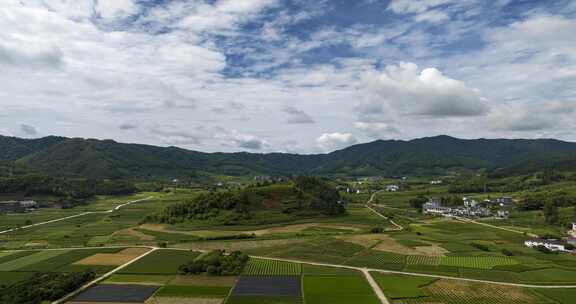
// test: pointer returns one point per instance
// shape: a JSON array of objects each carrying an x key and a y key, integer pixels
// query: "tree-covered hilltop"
[
  {"x": 303, "y": 196},
  {"x": 68, "y": 190}
]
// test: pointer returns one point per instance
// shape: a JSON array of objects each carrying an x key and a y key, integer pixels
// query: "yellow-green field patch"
[{"x": 113, "y": 259}]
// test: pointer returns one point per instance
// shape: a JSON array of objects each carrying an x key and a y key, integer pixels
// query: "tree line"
[
  {"x": 70, "y": 190},
  {"x": 216, "y": 263},
  {"x": 44, "y": 287}
]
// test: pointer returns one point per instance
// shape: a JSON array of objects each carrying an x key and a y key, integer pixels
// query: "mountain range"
[{"x": 437, "y": 155}]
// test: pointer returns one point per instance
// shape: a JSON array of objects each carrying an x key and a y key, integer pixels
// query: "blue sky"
[{"x": 290, "y": 76}]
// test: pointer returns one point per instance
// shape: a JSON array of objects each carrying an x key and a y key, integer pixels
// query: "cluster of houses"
[
  {"x": 269, "y": 179},
  {"x": 566, "y": 244},
  {"x": 469, "y": 208},
  {"x": 17, "y": 206}
]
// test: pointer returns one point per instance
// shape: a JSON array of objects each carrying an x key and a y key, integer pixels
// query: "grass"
[
  {"x": 338, "y": 290},
  {"x": 262, "y": 267},
  {"x": 160, "y": 262},
  {"x": 176, "y": 291}
]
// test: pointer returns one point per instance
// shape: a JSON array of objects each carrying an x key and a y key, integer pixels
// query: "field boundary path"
[
  {"x": 377, "y": 290},
  {"x": 104, "y": 276},
  {"x": 76, "y": 215},
  {"x": 467, "y": 220},
  {"x": 369, "y": 202}
]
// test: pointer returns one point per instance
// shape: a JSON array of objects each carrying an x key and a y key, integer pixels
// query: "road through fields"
[{"x": 76, "y": 215}]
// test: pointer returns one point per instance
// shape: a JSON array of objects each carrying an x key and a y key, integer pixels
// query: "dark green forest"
[{"x": 76, "y": 157}]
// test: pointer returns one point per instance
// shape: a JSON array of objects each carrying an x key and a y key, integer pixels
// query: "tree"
[
  {"x": 551, "y": 213},
  {"x": 417, "y": 202}
]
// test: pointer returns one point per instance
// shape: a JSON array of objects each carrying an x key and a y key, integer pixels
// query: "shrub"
[{"x": 480, "y": 246}]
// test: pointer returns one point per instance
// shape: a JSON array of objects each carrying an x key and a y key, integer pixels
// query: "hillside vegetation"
[
  {"x": 305, "y": 196},
  {"x": 425, "y": 156}
]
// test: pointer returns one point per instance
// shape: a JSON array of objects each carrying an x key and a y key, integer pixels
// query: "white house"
[
  {"x": 554, "y": 245},
  {"x": 436, "y": 182},
  {"x": 469, "y": 203},
  {"x": 392, "y": 188},
  {"x": 505, "y": 200}
]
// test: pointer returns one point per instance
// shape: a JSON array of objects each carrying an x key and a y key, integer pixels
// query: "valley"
[{"x": 377, "y": 236}]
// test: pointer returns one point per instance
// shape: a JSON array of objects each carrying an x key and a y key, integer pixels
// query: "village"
[
  {"x": 470, "y": 208},
  {"x": 18, "y": 206}
]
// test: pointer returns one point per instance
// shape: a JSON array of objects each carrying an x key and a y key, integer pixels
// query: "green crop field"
[
  {"x": 561, "y": 296},
  {"x": 402, "y": 287},
  {"x": 59, "y": 261},
  {"x": 378, "y": 259},
  {"x": 338, "y": 290},
  {"x": 480, "y": 262},
  {"x": 262, "y": 267},
  {"x": 315, "y": 270},
  {"x": 138, "y": 279},
  {"x": 315, "y": 249},
  {"x": 29, "y": 260},
  {"x": 161, "y": 262}
]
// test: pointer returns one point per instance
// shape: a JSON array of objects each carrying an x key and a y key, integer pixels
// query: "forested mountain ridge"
[{"x": 431, "y": 155}]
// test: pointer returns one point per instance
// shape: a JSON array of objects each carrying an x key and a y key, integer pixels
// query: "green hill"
[
  {"x": 255, "y": 205},
  {"x": 425, "y": 156}
]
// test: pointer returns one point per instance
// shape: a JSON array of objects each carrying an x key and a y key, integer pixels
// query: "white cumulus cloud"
[
  {"x": 334, "y": 141},
  {"x": 405, "y": 90}
]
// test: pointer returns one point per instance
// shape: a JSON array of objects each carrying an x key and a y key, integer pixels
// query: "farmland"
[
  {"x": 21, "y": 265},
  {"x": 338, "y": 289},
  {"x": 426, "y": 245},
  {"x": 161, "y": 262},
  {"x": 261, "y": 267},
  {"x": 405, "y": 289}
]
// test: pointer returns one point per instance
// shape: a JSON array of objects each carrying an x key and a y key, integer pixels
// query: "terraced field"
[
  {"x": 478, "y": 262},
  {"x": 262, "y": 267}
]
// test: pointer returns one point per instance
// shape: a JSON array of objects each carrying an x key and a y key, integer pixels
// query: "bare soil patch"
[
  {"x": 384, "y": 242},
  {"x": 113, "y": 259}
]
